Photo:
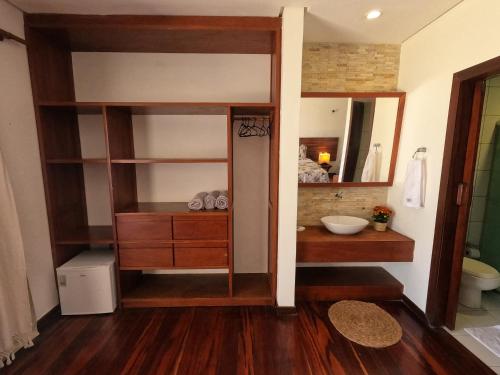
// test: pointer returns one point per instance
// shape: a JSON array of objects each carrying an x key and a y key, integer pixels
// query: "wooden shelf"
[
  {"x": 337, "y": 283},
  {"x": 163, "y": 108},
  {"x": 77, "y": 161},
  {"x": 166, "y": 208},
  {"x": 199, "y": 290},
  {"x": 252, "y": 109},
  {"x": 317, "y": 244},
  {"x": 169, "y": 161},
  {"x": 178, "y": 290},
  {"x": 96, "y": 234},
  {"x": 163, "y": 34},
  {"x": 82, "y": 108}
]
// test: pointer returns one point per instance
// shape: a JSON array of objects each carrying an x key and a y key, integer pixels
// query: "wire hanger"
[{"x": 254, "y": 126}]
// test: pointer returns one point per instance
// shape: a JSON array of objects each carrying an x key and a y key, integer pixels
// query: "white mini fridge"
[{"x": 87, "y": 283}]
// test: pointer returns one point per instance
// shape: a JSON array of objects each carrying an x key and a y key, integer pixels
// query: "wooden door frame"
[{"x": 446, "y": 264}]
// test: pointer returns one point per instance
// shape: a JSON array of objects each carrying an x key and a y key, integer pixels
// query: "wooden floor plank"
[{"x": 235, "y": 340}]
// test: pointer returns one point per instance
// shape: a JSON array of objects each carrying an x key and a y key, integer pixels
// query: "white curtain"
[{"x": 17, "y": 319}]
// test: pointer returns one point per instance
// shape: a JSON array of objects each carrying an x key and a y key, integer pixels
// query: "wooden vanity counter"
[{"x": 316, "y": 244}]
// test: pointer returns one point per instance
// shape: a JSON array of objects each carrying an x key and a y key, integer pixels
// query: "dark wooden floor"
[{"x": 234, "y": 340}]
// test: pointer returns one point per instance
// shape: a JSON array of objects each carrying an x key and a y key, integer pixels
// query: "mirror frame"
[{"x": 397, "y": 133}]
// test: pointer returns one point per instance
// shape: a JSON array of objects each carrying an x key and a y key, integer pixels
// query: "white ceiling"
[{"x": 326, "y": 21}]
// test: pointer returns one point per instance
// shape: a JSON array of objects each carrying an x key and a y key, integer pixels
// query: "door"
[
  {"x": 463, "y": 201},
  {"x": 358, "y": 110}
]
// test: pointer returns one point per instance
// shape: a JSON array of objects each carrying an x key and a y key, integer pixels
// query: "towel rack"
[
  {"x": 419, "y": 150},
  {"x": 254, "y": 126},
  {"x": 6, "y": 35}
]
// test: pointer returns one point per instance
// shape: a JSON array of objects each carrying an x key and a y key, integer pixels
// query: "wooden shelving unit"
[
  {"x": 147, "y": 235},
  {"x": 338, "y": 283},
  {"x": 316, "y": 244}
]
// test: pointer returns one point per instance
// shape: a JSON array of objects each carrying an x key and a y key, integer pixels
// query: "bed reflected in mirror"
[{"x": 349, "y": 139}]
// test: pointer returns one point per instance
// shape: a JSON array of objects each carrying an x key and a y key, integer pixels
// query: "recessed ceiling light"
[{"x": 373, "y": 14}]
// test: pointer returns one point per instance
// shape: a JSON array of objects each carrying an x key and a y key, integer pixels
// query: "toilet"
[{"x": 476, "y": 277}]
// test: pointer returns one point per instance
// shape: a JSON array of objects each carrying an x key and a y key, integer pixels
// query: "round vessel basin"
[{"x": 344, "y": 224}]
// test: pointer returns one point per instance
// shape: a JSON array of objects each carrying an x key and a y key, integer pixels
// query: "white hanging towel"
[
  {"x": 370, "y": 168},
  {"x": 414, "y": 193}
]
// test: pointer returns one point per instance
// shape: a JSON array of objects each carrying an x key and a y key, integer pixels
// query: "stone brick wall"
[
  {"x": 345, "y": 67},
  {"x": 350, "y": 67},
  {"x": 314, "y": 203}
]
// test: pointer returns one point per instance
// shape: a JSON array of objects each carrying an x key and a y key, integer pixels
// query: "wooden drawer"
[
  {"x": 144, "y": 227},
  {"x": 200, "y": 228},
  {"x": 200, "y": 257},
  {"x": 152, "y": 257}
]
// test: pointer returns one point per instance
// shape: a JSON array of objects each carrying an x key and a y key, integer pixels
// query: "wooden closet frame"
[{"x": 51, "y": 38}]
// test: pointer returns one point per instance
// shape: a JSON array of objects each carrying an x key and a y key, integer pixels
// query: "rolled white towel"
[
  {"x": 210, "y": 199},
  {"x": 197, "y": 202},
  {"x": 222, "y": 201}
]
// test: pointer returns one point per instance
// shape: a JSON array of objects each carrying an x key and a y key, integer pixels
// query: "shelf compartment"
[
  {"x": 166, "y": 208},
  {"x": 338, "y": 283},
  {"x": 94, "y": 234},
  {"x": 178, "y": 290},
  {"x": 252, "y": 289},
  {"x": 161, "y": 34},
  {"x": 316, "y": 244},
  {"x": 77, "y": 161},
  {"x": 169, "y": 161}
]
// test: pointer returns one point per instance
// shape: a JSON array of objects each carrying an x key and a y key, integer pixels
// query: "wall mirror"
[{"x": 349, "y": 139}]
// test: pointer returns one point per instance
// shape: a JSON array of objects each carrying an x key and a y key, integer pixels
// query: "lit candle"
[{"x": 324, "y": 157}]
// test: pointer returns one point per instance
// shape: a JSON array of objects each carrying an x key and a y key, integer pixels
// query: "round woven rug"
[{"x": 365, "y": 324}]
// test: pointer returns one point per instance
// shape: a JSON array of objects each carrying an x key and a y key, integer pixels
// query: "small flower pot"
[{"x": 381, "y": 227}]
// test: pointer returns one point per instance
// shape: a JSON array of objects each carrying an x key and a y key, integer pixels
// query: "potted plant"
[{"x": 381, "y": 216}]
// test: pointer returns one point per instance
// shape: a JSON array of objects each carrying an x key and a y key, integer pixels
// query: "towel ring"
[{"x": 419, "y": 150}]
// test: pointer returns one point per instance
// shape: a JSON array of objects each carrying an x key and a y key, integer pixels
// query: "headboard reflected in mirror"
[
  {"x": 319, "y": 159},
  {"x": 365, "y": 127}
]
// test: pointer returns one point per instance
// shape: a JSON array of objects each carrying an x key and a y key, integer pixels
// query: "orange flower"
[{"x": 381, "y": 214}]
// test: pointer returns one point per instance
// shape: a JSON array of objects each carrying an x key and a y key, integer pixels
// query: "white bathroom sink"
[{"x": 344, "y": 224}]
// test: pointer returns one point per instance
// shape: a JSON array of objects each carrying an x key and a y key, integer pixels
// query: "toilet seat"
[{"x": 479, "y": 269}]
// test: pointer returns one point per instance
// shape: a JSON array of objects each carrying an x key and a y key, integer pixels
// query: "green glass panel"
[{"x": 490, "y": 239}]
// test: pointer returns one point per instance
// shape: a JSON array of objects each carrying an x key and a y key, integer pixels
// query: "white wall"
[
  {"x": 171, "y": 77},
  {"x": 291, "y": 70},
  {"x": 384, "y": 124},
  {"x": 183, "y": 77},
  {"x": 465, "y": 36},
  {"x": 318, "y": 120},
  {"x": 19, "y": 146}
]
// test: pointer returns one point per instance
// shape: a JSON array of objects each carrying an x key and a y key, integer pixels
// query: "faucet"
[{"x": 339, "y": 195}]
